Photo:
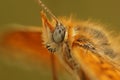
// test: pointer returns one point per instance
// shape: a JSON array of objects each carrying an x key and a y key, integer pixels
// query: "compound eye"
[{"x": 59, "y": 33}]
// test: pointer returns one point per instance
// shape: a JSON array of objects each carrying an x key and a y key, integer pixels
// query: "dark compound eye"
[{"x": 59, "y": 33}]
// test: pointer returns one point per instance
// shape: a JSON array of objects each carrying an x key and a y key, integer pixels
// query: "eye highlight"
[{"x": 59, "y": 33}]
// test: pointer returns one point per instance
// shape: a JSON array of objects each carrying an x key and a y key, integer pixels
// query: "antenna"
[{"x": 47, "y": 10}]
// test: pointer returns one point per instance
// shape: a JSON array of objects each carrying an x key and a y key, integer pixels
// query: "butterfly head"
[{"x": 54, "y": 31}]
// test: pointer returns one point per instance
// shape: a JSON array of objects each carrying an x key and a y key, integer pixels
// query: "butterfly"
[{"x": 83, "y": 48}]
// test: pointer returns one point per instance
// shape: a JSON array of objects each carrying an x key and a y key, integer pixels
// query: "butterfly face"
[
  {"x": 59, "y": 33},
  {"x": 53, "y": 35}
]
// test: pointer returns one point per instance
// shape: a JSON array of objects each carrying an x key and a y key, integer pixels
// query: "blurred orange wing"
[{"x": 23, "y": 46}]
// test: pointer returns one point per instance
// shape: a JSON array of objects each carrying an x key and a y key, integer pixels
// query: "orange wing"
[
  {"x": 23, "y": 46},
  {"x": 94, "y": 66}
]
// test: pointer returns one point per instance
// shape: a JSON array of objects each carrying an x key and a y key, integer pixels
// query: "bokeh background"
[{"x": 27, "y": 12}]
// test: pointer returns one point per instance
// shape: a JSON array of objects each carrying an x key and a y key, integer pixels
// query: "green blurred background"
[{"x": 27, "y": 12}]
